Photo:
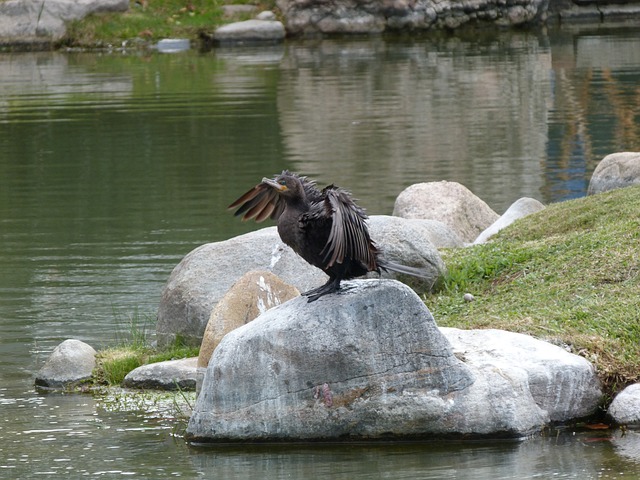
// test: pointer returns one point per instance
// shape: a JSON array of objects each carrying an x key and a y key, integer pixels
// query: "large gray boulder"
[
  {"x": 617, "y": 170},
  {"x": 366, "y": 363},
  {"x": 70, "y": 364},
  {"x": 200, "y": 280},
  {"x": 34, "y": 20},
  {"x": 448, "y": 202},
  {"x": 519, "y": 209}
]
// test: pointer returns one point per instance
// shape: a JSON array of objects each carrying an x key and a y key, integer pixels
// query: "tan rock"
[
  {"x": 448, "y": 202},
  {"x": 253, "y": 294}
]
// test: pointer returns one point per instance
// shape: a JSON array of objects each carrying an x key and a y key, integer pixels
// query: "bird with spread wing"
[{"x": 325, "y": 227}]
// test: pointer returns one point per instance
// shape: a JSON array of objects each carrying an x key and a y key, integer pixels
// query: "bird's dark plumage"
[{"x": 326, "y": 228}]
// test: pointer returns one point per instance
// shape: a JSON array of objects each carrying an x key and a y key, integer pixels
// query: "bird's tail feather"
[{"x": 399, "y": 268}]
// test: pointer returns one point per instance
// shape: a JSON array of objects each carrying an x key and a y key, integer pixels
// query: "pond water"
[{"x": 115, "y": 165}]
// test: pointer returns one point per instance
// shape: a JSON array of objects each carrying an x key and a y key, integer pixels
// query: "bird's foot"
[{"x": 330, "y": 287}]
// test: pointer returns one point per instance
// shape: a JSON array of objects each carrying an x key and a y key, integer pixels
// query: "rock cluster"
[
  {"x": 367, "y": 362},
  {"x": 370, "y": 363},
  {"x": 201, "y": 279},
  {"x": 36, "y": 22},
  {"x": 358, "y": 16}
]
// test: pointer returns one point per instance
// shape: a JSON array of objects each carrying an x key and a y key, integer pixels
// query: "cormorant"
[{"x": 326, "y": 228}]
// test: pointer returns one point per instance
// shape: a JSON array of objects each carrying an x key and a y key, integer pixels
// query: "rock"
[
  {"x": 204, "y": 275},
  {"x": 253, "y": 294},
  {"x": 71, "y": 363},
  {"x": 407, "y": 243},
  {"x": 237, "y": 10},
  {"x": 437, "y": 233},
  {"x": 519, "y": 209},
  {"x": 266, "y": 15},
  {"x": 625, "y": 408},
  {"x": 563, "y": 385},
  {"x": 627, "y": 445},
  {"x": 370, "y": 363},
  {"x": 592, "y": 12},
  {"x": 33, "y": 20},
  {"x": 617, "y": 170},
  {"x": 309, "y": 17},
  {"x": 250, "y": 31},
  {"x": 170, "y": 375},
  {"x": 449, "y": 202},
  {"x": 172, "y": 45},
  {"x": 336, "y": 367}
]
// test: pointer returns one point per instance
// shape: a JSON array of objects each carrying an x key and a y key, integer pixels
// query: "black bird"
[{"x": 326, "y": 228}]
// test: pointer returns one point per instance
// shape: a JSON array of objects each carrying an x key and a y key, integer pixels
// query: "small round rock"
[
  {"x": 468, "y": 297},
  {"x": 267, "y": 15}
]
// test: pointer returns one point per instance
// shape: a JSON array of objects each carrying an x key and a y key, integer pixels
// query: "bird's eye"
[{"x": 282, "y": 182}]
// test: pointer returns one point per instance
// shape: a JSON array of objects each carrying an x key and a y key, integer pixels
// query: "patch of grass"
[
  {"x": 133, "y": 351},
  {"x": 175, "y": 352},
  {"x": 151, "y": 21},
  {"x": 132, "y": 330},
  {"x": 569, "y": 274},
  {"x": 148, "y": 21},
  {"x": 115, "y": 363}
]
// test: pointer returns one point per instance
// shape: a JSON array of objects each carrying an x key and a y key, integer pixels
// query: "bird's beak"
[{"x": 274, "y": 184}]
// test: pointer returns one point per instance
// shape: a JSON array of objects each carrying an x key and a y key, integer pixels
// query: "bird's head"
[{"x": 286, "y": 184}]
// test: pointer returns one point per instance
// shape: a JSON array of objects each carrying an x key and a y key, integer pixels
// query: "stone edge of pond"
[
  {"x": 21, "y": 30},
  {"x": 65, "y": 372}
]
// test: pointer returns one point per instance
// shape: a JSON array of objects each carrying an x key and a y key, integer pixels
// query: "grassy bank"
[
  {"x": 569, "y": 274},
  {"x": 149, "y": 21}
]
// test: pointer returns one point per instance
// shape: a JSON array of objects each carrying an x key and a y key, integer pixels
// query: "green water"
[{"x": 115, "y": 165}]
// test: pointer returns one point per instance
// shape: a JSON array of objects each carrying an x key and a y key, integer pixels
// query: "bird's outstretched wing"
[
  {"x": 349, "y": 236},
  {"x": 262, "y": 201}
]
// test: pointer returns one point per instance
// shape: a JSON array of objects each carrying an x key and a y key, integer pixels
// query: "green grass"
[
  {"x": 133, "y": 350},
  {"x": 113, "y": 364},
  {"x": 569, "y": 274},
  {"x": 148, "y": 21}
]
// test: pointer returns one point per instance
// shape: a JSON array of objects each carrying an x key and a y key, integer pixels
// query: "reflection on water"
[
  {"x": 403, "y": 112},
  {"x": 76, "y": 435},
  {"x": 113, "y": 167},
  {"x": 551, "y": 457}
]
